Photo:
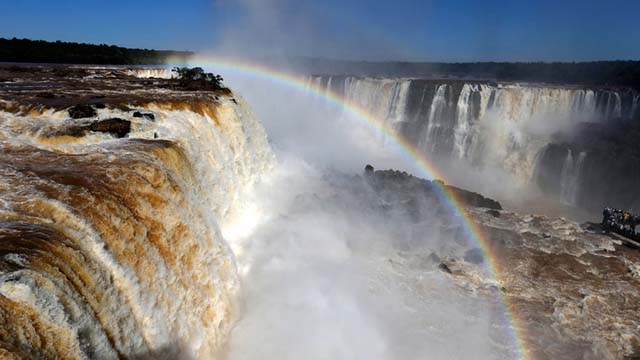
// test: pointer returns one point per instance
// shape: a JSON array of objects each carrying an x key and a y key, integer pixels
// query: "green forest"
[
  {"x": 597, "y": 73},
  {"x": 38, "y": 51}
]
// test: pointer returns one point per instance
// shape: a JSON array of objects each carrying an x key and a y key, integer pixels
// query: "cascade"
[
  {"x": 484, "y": 123},
  {"x": 110, "y": 247}
]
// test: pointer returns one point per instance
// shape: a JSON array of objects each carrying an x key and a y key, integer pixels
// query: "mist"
[
  {"x": 326, "y": 271},
  {"x": 330, "y": 268},
  {"x": 327, "y": 275}
]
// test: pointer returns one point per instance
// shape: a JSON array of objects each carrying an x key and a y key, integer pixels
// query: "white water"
[
  {"x": 327, "y": 275},
  {"x": 159, "y": 277},
  {"x": 435, "y": 119},
  {"x": 570, "y": 177},
  {"x": 160, "y": 73},
  {"x": 495, "y": 128}
]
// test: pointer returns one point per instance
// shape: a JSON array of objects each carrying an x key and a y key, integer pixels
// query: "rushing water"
[
  {"x": 504, "y": 127},
  {"x": 110, "y": 248}
]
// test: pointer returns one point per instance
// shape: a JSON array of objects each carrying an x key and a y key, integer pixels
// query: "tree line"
[
  {"x": 597, "y": 73},
  {"x": 58, "y": 52}
]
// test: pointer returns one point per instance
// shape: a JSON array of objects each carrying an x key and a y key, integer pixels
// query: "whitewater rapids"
[{"x": 110, "y": 248}]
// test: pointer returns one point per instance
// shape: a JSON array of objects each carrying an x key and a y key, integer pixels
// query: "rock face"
[{"x": 593, "y": 167}]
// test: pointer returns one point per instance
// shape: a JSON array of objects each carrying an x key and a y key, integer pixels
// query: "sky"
[{"x": 419, "y": 30}]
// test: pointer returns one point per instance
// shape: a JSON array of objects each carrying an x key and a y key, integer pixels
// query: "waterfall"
[
  {"x": 464, "y": 120},
  {"x": 110, "y": 247},
  {"x": 487, "y": 125},
  {"x": 435, "y": 120},
  {"x": 384, "y": 99},
  {"x": 570, "y": 177},
  {"x": 160, "y": 73}
]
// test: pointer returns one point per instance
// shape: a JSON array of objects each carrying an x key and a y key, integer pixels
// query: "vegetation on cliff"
[{"x": 196, "y": 78}]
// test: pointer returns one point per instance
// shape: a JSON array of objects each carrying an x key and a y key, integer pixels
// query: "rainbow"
[{"x": 409, "y": 150}]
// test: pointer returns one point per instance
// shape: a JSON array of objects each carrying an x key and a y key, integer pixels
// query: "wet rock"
[
  {"x": 148, "y": 116},
  {"x": 474, "y": 256},
  {"x": 444, "y": 268},
  {"x": 82, "y": 111},
  {"x": 46, "y": 95},
  {"x": 117, "y": 127},
  {"x": 472, "y": 199},
  {"x": 493, "y": 212},
  {"x": 99, "y": 106}
]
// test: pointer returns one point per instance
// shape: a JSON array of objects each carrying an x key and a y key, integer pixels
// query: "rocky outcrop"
[
  {"x": 404, "y": 183},
  {"x": 471, "y": 198}
]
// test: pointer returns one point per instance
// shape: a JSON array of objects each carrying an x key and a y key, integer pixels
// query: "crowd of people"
[{"x": 619, "y": 221}]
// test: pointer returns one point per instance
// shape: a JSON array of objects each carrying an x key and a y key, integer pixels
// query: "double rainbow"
[{"x": 409, "y": 150}]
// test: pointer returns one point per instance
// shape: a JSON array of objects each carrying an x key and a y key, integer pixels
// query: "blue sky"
[{"x": 453, "y": 30}]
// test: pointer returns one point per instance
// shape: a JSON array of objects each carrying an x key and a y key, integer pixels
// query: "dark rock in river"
[
  {"x": 148, "y": 116},
  {"x": 117, "y": 127},
  {"x": 82, "y": 111}
]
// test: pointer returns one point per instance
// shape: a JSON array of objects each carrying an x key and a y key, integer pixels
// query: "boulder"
[
  {"x": 117, "y": 127},
  {"x": 82, "y": 111},
  {"x": 148, "y": 116}
]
